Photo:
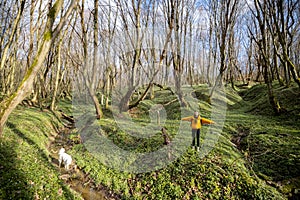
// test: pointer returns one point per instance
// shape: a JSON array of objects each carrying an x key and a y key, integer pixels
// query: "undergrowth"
[
  {"x": 256, "y": 156},
  {"x": 26, "y": 171},
  {"x": 249, "y": 169}
]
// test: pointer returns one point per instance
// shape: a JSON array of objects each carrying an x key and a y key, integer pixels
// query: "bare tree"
[
  {"x": 108, "y": 27},
  {"x": 261, "y": 38},
  {"x": 11, "y": 15},
  {"x": 88, "y": 66},
  {"x": 50, "y": 33},
  {"x": 136, "y": 40},
  {"x": 96, "y": 61},
  {"x": 169, "y": 13},
  {"x": 282, "y": 24},
  {"x": 180, "y": 33},
  {"x": 58, "y": 69},
  {"x": 228, "y": 13},
  {"x": 12, "y": 34}
]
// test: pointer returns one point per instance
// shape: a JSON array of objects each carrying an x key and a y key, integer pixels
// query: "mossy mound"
[
  {"x": 256, "y": 99},
  {"x": 271, "y": 143}
]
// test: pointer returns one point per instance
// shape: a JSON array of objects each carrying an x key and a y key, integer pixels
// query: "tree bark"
[{"x": 98, "y": 108}]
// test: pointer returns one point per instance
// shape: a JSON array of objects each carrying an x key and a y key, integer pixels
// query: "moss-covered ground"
[
  {"x": 256, "y": 155},
  {"x": 26, "y": 171}
]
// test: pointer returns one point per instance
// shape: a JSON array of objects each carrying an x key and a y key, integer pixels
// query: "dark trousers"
[{"x": 196, "y": 133}]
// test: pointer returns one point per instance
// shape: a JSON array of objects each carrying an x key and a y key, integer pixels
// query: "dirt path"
[{"x": 76, "y": 178}]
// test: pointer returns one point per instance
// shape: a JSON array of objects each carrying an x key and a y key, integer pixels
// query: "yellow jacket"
[{"x": 196, "y": 123}]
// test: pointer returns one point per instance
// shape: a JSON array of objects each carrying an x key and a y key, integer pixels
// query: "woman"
[{"x": 196, "y": 123}]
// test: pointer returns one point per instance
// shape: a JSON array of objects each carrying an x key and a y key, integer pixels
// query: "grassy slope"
[
  {"x": 267, "y": 155},
  {"x": 26, "y": 171},
  {"x": 273, "y": 142},
  {"x": 227, "y": 172}
]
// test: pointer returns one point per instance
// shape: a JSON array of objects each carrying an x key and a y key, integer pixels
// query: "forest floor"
[{"x": 255, "y": 157}]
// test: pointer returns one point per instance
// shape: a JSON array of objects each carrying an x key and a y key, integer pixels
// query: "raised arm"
[
  {"x": 207, "y": 121},
  {"x": 190, "y": 118}
]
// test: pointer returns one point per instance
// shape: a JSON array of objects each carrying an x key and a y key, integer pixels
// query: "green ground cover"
[
  {"x": 26, "y": 171},
  {"x": 256, "y": 156}
]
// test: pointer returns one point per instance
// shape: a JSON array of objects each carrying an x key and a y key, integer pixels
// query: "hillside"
[
  {"x": 255, "y": 157},
  {"x": 26, "y": 171},
  {"x": 252, "y": 159}
]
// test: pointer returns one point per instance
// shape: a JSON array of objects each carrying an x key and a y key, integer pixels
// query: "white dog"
[{"x": 64, "y": 158}]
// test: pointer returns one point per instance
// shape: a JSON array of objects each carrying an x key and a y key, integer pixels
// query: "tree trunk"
[
  {"x": 179, "y": 50},
  {"x": 274, "y": 103},
  {"x": 209, "y": 53},
  {"x": 231, "y": 77},
  {"x": 90, "y": 76},
  {"x": 191, "y": 58},
  {"x": 293, "y": 71},
  {"x": 150, "y": 85},
  {"x": 124, "y": 102},
  {"x": 98, "y": 108},
  {"x": 97, "y": 105},
  {"x": 177, "y": 77},
  {"x": 107, "y": 86},
  {"x": 57, "y": 77}
]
